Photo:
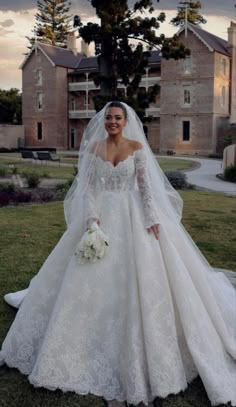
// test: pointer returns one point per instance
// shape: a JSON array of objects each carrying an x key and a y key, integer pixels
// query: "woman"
[{"x": 151, "y": 315}]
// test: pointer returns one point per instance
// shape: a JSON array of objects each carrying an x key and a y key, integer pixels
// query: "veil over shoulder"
[{"x": 148, "y": 317}]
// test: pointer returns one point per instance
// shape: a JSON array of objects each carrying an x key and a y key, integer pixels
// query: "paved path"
[{"x": 204, "y": 176}]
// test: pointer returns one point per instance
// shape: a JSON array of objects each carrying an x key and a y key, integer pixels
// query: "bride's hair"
[{"x": 120, "y": 106}]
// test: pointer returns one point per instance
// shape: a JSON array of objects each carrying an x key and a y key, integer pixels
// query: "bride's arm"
[
  {"x": 90, "y": 196},
  {"x": 144, "y": 185}
]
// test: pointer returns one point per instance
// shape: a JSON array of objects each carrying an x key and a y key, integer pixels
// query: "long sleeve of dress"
[
  {"x": 145, "y": 189},
  {"x": 90, "y": 199}
]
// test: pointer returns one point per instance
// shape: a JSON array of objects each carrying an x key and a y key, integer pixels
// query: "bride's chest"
[{"x": 121, "y": 176}]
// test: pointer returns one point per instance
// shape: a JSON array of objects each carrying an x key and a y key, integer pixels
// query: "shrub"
[
  {"x": 45, "y": 174},
  {"x": 230, "y": 173},
  {"x": 46, "y": 196},
  {"x": 21, "y": 196},
  {"x": 3, "y": 171},
  {"x": 8, "y": 188},
  {"x": 32, "y": 179},
  {"x": 4, "y": 198},
  {"x": 14, "y": 170},
  {"x": 177, "y": 179},
  {"x": 215, "y": 155}
]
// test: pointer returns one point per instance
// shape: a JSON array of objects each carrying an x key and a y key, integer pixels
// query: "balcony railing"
[
  {"x": 81, "y": 114},
  {"x": 153, "y": 111},
  {"x": 83, "y": 86},
  {"x": 88, "y": 114}
]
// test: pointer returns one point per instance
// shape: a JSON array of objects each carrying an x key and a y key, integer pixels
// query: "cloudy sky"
[{"x": 17, "y": 20}]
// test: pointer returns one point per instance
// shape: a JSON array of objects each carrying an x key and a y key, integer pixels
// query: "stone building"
[
  {"x": 196, "y": 104},
  {"x": 198, "y": 94}
]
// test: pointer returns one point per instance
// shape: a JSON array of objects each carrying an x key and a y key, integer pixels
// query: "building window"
[
  {"x": 187, "y": 64},
  {"x": 186, "y": 130},
  {"x": 39, "y": 101},
  {"x": 39, "y": 131},
  {"x": 39, "y": 78},
  {"x": 187, "y": 95},
  {"x": 223, "y": 98},
  {"x": 72, "y": 138},
  {"x": 72, "y": 104},
  {"x": 223, "y": 66}
]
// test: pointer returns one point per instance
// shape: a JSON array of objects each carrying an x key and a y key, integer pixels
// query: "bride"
[{"x": 147, "y": 318}]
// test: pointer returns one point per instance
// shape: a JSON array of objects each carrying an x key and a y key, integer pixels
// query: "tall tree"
[
  {"x": 193, "y": 15},
  {"x": 52, "y": 22},
  {"x": 10, "y": 106},
  {"x": 119, "y": 43}
]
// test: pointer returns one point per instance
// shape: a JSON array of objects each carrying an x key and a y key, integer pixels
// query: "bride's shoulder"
[{"x": 135, "y": 145}]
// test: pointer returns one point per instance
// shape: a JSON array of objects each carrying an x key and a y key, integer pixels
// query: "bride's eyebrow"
[{"x": 117, "y": 116}]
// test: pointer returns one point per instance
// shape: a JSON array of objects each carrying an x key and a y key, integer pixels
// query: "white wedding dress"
[{"x": 140, "y": 323}]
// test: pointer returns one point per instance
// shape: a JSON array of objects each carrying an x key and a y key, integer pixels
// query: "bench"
[
  {"x": 46, "y": 156},
  {"x": 27, "y": 154}
]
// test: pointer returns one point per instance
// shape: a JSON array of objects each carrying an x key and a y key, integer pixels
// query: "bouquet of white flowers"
[{"x": 93, "y": 245}]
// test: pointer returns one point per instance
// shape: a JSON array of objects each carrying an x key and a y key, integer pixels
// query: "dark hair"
[{"x": 120, "y": 106}]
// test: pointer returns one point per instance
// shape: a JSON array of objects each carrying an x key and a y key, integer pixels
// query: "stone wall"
[
  {"x": 11, "y": 136},
  {"x": 207, "y": 115},
  {"x": 53, "y": 114}
]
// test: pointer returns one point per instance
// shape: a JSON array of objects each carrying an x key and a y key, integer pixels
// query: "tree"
[
  {"x": 119, "y": 45},
  {"x": 52, "y": 22},
  {"x": 10, "y": 106},
  {"x": 193, "y": 15}
]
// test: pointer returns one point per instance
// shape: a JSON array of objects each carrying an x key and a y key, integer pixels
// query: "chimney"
[
  {"x": 85, "y": 49},
  {"x": 232, "y": 50},
  {"x": 71, "y": 42}
]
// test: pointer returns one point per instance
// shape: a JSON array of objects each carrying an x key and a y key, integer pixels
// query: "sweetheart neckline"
[{"x": 120, "y": 162}]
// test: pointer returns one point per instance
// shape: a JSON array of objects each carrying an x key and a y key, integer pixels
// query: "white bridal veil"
[{"x": 167, "y": 200}]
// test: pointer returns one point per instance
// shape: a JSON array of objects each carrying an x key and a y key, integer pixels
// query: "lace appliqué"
[{"x": 144, "y": 185}]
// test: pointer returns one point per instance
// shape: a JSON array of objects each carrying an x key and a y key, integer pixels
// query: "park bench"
[
  {"x": 28, "y": 155},
  {"x": 46, "y": 156}
]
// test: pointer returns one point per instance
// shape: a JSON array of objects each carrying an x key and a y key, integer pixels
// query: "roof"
[
  {"x": 57, "y": 56},
  {"x": 155, "y": 57},
  {"x": 91, "y": 63},
  {"x": 212, "y": 42},
  {"x": 88, "y": 63}
]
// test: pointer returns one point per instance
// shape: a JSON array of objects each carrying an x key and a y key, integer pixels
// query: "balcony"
[
  {"x": 153, "y": 111},
  {"x": 88, "y": 114},
  {"x": 148, "y": 81},
  {"x": 89, "y": 85},
  {"x": 78, "y": 86},
  {"x": 81, "y": 114}
]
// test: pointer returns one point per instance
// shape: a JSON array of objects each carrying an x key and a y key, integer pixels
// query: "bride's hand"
[
  {"x": 155, "y": 230},
  {"x": 91, "y": 220}
]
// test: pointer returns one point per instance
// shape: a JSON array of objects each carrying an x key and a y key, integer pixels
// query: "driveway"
[{"x": 204, "y": 176}]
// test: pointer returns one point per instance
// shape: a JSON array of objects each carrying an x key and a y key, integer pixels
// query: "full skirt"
[{"x": 142, "y": 322}]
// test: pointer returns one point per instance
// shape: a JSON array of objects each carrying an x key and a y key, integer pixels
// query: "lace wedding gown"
[{"x": 140, "y": 323}]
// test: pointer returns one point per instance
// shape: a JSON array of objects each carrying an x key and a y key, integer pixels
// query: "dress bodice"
[
  {"x": 129, "y": 174},
  {"x": 116, "y": 178}
]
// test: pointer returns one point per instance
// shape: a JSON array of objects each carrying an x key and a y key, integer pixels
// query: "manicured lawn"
[
  {"x": 28, "y": 234},
  {"x": 174, "y": 164},
  {"x": 43, "y": 170},
  {"x": 54, "y": 171}
]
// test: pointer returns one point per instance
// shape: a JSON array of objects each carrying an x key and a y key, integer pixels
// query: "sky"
[{"x": 17, "y": 19}]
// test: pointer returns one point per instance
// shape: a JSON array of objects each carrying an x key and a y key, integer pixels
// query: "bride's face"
[{"x": 114, "y": 121}]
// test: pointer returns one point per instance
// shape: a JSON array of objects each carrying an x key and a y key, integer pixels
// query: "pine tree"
[
  {"x": 193, "y": 15},
  {"x": 119, "y": 45},
  {"x": 52, "y": 22}
]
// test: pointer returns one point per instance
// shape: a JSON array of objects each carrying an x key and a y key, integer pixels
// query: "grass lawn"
[
  {"x": 24, "y": 245},
  {"x": 54, "y": 171},
  {"x": 174, "y": 164},
  {"x": 43, "y": 170}
]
